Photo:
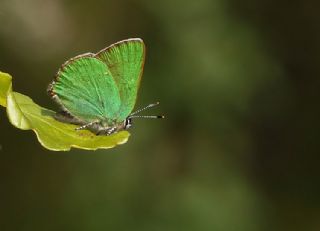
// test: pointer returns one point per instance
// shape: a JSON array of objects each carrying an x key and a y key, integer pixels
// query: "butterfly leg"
[
  {"x": 111, "y": 130},
  {"x": 105, "y": 131},
  {"x": 88, "y": 125}
]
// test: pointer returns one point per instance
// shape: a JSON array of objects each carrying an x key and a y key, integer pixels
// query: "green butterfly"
[{"x": 99, "y": 91}]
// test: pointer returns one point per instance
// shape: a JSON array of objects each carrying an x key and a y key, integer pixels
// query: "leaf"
[
  {"x": 5, "y": 86},
  {"x": 23, "y": 113}
]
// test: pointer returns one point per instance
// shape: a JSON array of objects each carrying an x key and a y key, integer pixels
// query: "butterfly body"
[
  {"x": 99, "y": 127},
  {"x": 99, "y": 91}
]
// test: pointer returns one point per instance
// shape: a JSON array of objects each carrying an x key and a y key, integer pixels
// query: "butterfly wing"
[
  {"x": 125, "y": 61},
  {"x": 85, "y": 88}
]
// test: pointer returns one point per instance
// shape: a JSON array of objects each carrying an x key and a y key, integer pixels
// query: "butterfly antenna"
[
  {"x": 146, "y": 107},
  {"x": 148, "y": 117},
  {"x": 133, "y": 115}
]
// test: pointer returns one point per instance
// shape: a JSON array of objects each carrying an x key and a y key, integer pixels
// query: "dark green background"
[{"x": 239, "y": 84}]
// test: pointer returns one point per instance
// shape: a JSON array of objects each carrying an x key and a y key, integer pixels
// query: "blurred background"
[{"x": 239, "y": 84}]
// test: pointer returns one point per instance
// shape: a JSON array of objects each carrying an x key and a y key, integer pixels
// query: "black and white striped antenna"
[{"x": 133, "y": 114}]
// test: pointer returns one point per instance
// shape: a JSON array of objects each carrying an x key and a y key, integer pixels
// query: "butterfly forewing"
[
  {"x": 85, "y": 87},
  {"x": 125, "y": 61}
]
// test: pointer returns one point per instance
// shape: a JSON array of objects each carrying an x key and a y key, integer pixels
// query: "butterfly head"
[{"x": 127, "y": 123}]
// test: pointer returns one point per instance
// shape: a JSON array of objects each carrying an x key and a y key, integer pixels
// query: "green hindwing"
[
  {"x": 125, "y": 61},
  {"x": 85, "y": 88}
]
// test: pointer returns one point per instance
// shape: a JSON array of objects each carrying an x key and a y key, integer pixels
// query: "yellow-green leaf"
[
  {"x": 23, "y": 113},
  {"x": 5, "y": 86}
]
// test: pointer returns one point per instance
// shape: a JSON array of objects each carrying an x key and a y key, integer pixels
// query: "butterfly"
[{"x": 99, "y": 91}]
